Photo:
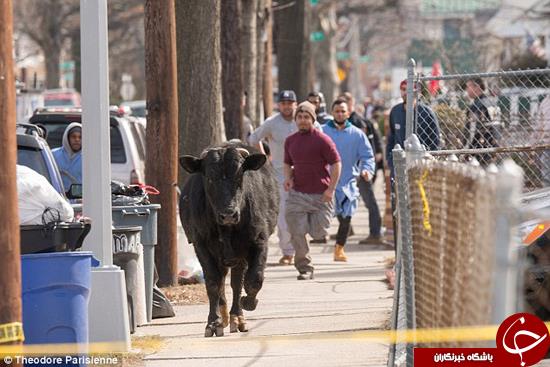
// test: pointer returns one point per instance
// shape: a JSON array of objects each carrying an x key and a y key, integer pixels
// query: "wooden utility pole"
[
  {"x": 232, "y": 69},
  {"x": 161, "y": 168},
  {"x": 10, "y": 271}
]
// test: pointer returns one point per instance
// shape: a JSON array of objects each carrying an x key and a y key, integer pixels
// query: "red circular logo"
[{"x": 524, "y": 338}]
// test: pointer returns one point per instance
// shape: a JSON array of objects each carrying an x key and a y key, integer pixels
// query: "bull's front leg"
[
  {"x": 223, "y": 302},
  {"x": 213, "y": 276},
  {"x": 237, "y": 321},
  {"x": 254, "y": 277}
]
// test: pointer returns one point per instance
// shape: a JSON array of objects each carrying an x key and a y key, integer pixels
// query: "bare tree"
[
  {"x": 260, "y": 55},
  {"x": 126, "y": 45},
  {"x": 199, "y": 75},
  {"x": 324, "y": 53},
  {"x": 268, "y": 61},
  {"x": 232, "y": 70},
  {"x": 49, "y": 24},
  {"x": 292, "y": 45},
  {"x": 250, "y": 56}
]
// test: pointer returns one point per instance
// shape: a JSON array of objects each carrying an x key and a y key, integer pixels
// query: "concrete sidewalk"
[{"x": 306, "y": 323}]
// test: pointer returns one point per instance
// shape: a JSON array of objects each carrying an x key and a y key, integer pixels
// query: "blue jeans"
[{"x": 367, "y": 193}]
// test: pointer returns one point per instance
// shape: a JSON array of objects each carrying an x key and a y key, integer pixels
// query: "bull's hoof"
[
  {"x": 237, "y": 323},
  {"x": 249, "y": 303},
  {"x": 225, "y": 315},
  {"x": 213, "y": 328}
]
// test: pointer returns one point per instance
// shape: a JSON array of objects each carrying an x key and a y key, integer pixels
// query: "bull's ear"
[
  {"x": 190, "y": 163},
  {"x": 254, "y": 161}
]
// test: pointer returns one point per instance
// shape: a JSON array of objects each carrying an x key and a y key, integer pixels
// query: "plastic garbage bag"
[
  {"x": 191, "y": 272},
  {"x": 131, "y": 194},
  {"x": 39, "y": 203},
  {"x": 161, "y": 305}
]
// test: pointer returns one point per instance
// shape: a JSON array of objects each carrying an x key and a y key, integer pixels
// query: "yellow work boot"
[{"x": 339, "y": 254}]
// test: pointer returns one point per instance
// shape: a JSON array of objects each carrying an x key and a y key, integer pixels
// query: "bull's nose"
[{"x": 229, "y": 217}]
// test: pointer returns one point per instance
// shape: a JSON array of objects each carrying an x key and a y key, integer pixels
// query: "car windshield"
[{"x": 33, "y": 159}]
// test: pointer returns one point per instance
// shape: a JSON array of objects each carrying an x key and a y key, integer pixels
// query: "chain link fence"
[
  {"x": 489, "y": 117},
  {"x": 457, "y": 260},
  {"x": 452, "y": 212}
]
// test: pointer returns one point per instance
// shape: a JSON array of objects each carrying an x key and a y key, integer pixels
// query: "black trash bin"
[
  {"x": 126, "y": 255},
  {"x": 53, "y": 237}
]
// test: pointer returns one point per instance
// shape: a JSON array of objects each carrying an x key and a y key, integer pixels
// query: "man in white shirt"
[{"x": 275, "y": 130}]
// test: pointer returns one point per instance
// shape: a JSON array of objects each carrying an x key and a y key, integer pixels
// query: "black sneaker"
[{"x": 305, "y": 275}]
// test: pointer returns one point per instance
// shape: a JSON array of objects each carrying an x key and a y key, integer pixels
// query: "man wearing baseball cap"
[
  {"x": 312, "y": 168},
  {"x": 275, "y": 130}
]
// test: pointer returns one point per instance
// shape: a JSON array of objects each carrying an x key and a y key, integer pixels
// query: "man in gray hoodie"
[{"x": 69, "y": 155}]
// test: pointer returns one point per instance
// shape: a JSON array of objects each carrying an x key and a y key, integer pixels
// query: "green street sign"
[
  {"x": 364, "y": 59},
  {"x": 317, "y": 36},
  {"x": 342, "y": 55},
  {"x": 66, "y": 65}
]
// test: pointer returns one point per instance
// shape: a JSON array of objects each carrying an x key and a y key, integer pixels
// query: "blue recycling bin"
[{"x": 55, "y": 295}]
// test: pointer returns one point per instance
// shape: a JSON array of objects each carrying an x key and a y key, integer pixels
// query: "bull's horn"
[{"x": 243, "y": 152}]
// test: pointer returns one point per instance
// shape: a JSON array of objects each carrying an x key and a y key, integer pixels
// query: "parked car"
[
  {"x": 33, "y": 151},
  {"x": 127, "y": 140},
  {"x": 61, "y": 98}
]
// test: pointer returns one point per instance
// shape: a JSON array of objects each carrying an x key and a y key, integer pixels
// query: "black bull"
[{"x": 228, "y": 209}]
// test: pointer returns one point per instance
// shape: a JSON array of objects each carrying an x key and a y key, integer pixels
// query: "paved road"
[{"x": 306, "y": 323}]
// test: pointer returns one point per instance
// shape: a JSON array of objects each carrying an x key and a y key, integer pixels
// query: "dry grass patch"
[{"x": 190, "y": 294}]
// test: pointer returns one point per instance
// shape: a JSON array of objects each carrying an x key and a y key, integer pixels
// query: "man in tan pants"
[{"x": 312, "y": 168}]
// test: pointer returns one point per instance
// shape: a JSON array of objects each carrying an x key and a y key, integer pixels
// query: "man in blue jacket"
[
  {"x": 357, "y": 160},
  {"x": 69, "y": 155},
  {"x": 425, "y": 126}
]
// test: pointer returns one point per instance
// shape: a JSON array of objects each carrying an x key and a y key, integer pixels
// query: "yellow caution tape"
[
  {"x": 425, "y": 204},
  {"x": 12, "y": 332},
  {"x": 440, "y": 335}
]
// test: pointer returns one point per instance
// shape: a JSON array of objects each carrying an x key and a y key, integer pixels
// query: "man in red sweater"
[{"x": 312, "y": 169}]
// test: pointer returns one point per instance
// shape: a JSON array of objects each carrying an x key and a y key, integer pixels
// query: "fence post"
[
  {"x": 411, "y": 64},
  {"x": 415, "y": 150},
  {"x": 509, "y": 184},
  {"x": 404, "y": 243}
]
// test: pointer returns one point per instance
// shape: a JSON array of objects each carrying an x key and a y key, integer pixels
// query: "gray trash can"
[
  {"x": 146, "y": 217},
  {"x": 126, "y": 254}
]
